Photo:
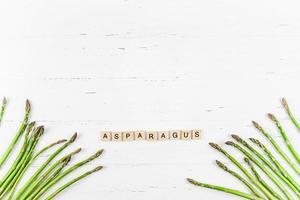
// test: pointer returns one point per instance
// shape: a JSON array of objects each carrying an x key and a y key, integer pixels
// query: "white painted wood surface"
[{"x": 91, "y": 65}]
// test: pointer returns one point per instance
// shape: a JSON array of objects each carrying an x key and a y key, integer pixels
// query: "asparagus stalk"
[
  {"x": 21, "y": 153},
  {"x": 30, "y": 162},
  {"x": 27, "y": 155},
  {"x": 277, "y": 147},
  {"x": 239, "y": 177},
  {"x": 261, "y": 180},
  {"x": 290, "y": 114},
  {"x": 39, "y": 171},
  {"x": 66, "y": 185},
  {"x": 253, "y": 180},
  {"x": 277, "y": 164},
  {"x": 285, "y": 137},
  {"x": 55, "y": 173},
  {"x": 37, "y": 195},
  {"x": 13, "y": 177},
  {"x": 51, "y": 168},
  {"x": 3, "y": 107},
  {"x": 264, "y": 169},
  {"x": 40, "y": 179},
  {"x": 17, "y": 136},
  {"x": 49, "y": 179},
  {"x": 224, "y": 189},
  {"x": 59, "y": 170}
]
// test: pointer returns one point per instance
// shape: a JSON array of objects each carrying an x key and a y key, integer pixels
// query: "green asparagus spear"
[
  {"x": 49, "y": 179},
  {"x": 13, "y": 177},
  {"x": 251, "y": 178},
  {"x": 66, "y": 185},
  {"x": 261, "y": 180},
  {"x": 37, "y": 195},
  {"x": 21, "y": 153},
  {"x": 288, "y": 110},
  {"x": 277, "y": 147},
  {"x": 30, "y": 162},
  {"x": 264, "y": 169},
  {"x": 285, "y": 137},
  {"x": 39, "y": 171},
  {"x": 239, "y": 177},
  {"x": 224, "y": 189},
  {"x": 17, "y": 136},
  {"x": 40, "y": 179},
  {"x": 3, "y": 107},
  {"x": 275, "y": 161}
]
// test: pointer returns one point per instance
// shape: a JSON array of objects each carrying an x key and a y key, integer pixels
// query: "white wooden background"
[{"x": 95, "y": 65}]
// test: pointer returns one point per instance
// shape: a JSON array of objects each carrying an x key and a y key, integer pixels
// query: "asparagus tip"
[
  {"x": 97, "y": 169},
  {"x": 217, "y": 147},
  {"x": 31, "y": 124},
  {"x": 73, "y": 138},
  {"x": 27, "y": 107},
  {"x": 61, "y": 141},
  {"x": 221, "y": 165},
  {"x": 98, "y": 153},
  {"x": 272, "y": 117},
  {"x": 254, "y": 140},
  {"x": 256, "y": 125},
  {"x": 4, "y": 101},
  {"x": 214, "y": 145},
  {"x": 236, "y": 137},
  {"x": 192, "y": 181},
  {"x": 230, "y": 143},
  {"x": 77, "y": 151},
  {"x": 40, "y": 130},
  {"x": 67, "y": 160},
  {"x": 284, "y": 103},
  {"x": 217, "y": 161},
  {"x": 30, "y": 127}
]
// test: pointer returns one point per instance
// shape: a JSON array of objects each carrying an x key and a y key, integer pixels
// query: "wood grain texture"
[{"x": 93, "y": 65}]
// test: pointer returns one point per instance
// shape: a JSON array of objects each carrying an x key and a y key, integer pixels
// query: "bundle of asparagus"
[
  {"x": 48, "y": 174},
  {"x": 284, "y": 185}
]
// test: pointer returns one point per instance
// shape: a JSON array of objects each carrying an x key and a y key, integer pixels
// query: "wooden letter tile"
[
  {"x": 186, "y": 135},
  {"x": 105, "y": 136},
  {"x": 174, "y": 135},
  {"x": 128, "y": 136},
  {"x": 163, "y": 135},
  {"x": 196, "y": 134},
  {"x": 117, "y": 136},
  {"x": 139, "y": 135},
  {"x": 151, "y": 136}
]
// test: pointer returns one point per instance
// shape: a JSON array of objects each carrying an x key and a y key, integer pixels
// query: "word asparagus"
[{"x": 194, "y": 134}]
